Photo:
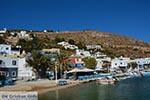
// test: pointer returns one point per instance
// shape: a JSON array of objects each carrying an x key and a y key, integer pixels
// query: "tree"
[
  {"x": 109, "y": 53},
  {"x": 34, "y": 44},
  {"x": 57, "y": 39},
  {"x": 61, "y": 68},
  {"x": 39, "y": 62},
  {"x": 2, "y": 41},
  {"x": 90, "y": 62},
  {"x": 81, "y": 45},
  {"x": 71, "y": 41},
  {"x": 132, "y": 64}
]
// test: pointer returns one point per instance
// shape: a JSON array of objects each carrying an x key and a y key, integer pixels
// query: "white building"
[
  {"x": 82, "y": 53},
  {"x": 45, "y": 31},
  {"x": 23, "y": 33},
  {"x": 7, "y": 50},
  {"x": 99, "y": 64},
  {"x": 120, "y": 62},
  {"x": 69, "y": 46},
  {"x": 14, "y": 67},
  {"x": 142, "y": 61},
  {"x": 101, "y": 61},
  {"x": 2, "y": 32},
  {"x": 63, "y": 43},
  {"x": 66, "y": 45},
  {"x": 24, "y": 71},
  {"x": 93, "y": 46},
  {"x": 99, "y": 54}
]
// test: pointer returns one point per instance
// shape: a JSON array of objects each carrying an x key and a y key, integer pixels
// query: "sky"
[{"x": 126, "y": 17}]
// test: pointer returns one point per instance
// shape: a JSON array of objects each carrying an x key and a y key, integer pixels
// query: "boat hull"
[{"x": 105, "y": 81}]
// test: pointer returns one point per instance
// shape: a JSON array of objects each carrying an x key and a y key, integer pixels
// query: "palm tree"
[
  {"x": 39, "y": 62},
  {"x": 60, "y": 58}
]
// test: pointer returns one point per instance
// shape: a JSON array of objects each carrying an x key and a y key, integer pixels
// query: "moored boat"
[{"x": 105, "y": 80}]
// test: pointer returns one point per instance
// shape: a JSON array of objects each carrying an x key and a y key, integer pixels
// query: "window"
[
  {"x": 13, "y": 73},
  {"x": 7, "y": 75},
  {"x": 4, "y": 73},
  {"x": 121, "y": 63},
  {"x": 1, "y": 62},
  {"x": 14, "y": 62},
  {"x": 7, "y": 48}
]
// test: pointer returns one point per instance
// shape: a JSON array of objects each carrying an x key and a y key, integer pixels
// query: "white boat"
[{"x": 105, "y": 80}]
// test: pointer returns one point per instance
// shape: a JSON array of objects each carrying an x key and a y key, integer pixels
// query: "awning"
[{"x": 80, "y": 70}]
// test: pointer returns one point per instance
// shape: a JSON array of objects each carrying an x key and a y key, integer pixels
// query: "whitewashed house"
[
  {"x": 24, "y": 71},
  {"x": 24, "y": 34},
  {"x": 82, "y": 53},
  {"x": 5, "y": 49},
  {"x": 99, "y": 54},
  {"x": 8, "y": 50},
  {"x": 66, "y": 45},
  {"x": 142, "y": 61},
  {"x": 63, "y": 43},
  {"x": 69, "y": 46},
  {"x": 99, "y": 64},
  {"x": 93, "y": 46},
  {"x": 120, "y": 62},
  {"x": 2, "y": 32}
]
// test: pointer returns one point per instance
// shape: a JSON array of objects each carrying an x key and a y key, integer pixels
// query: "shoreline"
[
  {"x": 42, "y": 91},
  {"x": 41, "y": 86}
]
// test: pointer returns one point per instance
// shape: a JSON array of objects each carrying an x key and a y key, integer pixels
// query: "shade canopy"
[
  {"x": 80, "y": 70},
  {"x": 98, "y": 69}
]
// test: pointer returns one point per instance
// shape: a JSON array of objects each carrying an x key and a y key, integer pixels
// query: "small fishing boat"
[{"x": 105, "y": 80}]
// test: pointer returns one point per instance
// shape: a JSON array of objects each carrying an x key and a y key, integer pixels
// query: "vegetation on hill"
[
  {"x": 112, "y": 44},
  {"x": 2, "y": 41}
]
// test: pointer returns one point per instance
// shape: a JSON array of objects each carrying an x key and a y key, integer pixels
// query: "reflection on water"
[
  {"x": 57, "y": 95},
  {"x": 130, "y": 89}
]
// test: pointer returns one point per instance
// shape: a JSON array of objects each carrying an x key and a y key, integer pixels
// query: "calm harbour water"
[{"x": 129, "y": 89}]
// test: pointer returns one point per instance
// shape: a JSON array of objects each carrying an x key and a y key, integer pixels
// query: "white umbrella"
[
  {"x": 98, "y": 69},
  {"x": 80, "y": 70}
]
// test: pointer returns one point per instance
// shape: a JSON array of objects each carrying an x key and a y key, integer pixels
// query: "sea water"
[{"x": 129, "y": 89}]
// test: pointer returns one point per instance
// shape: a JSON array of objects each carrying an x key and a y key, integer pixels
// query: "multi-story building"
[
  {"x": 14, "y": 67},
  {"x": 74, "y": 61},
  {"x": 120, "y": 62},
  {"x": 123, "y": 62}
]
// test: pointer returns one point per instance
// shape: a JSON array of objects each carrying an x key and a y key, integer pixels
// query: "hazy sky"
[{"x": 127, "y": 17}]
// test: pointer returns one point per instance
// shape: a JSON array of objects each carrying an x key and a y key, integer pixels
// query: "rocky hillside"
[{"x": 112, "y": 43}]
